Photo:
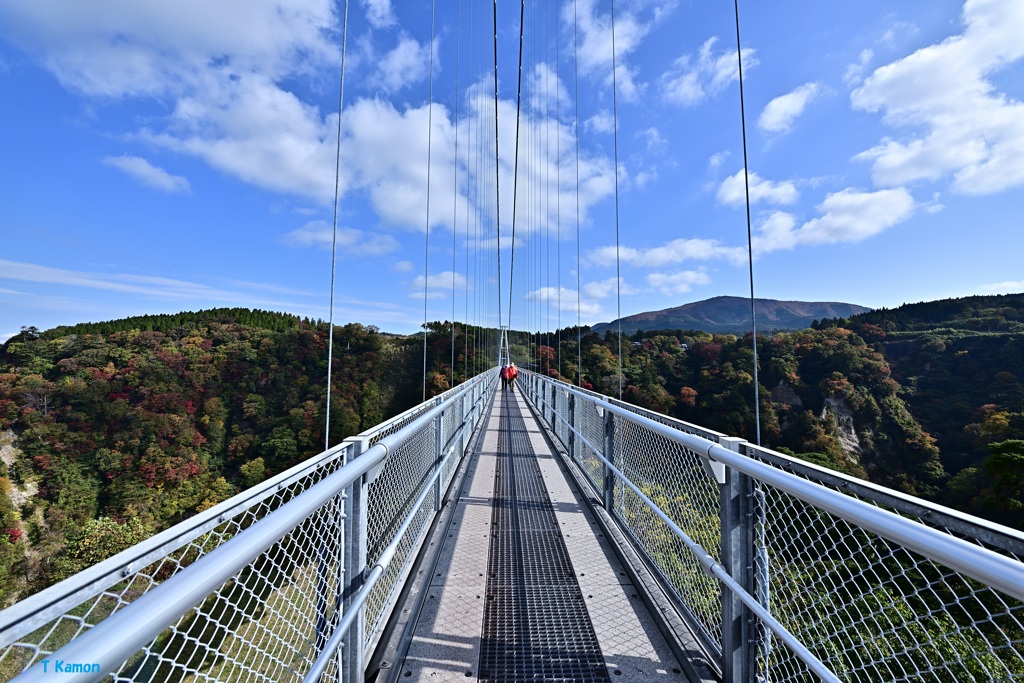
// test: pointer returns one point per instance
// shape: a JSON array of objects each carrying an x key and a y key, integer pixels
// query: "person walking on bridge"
[
  {"x": 504, "y": 377},
  {"x": 512, "y": 374}
]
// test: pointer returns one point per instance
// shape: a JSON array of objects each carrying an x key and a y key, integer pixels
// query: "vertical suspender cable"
[
  {"x": 469, "y": 146},
  {"x": 750, "y": 242},
  {"x": 455, "y": 191},
  {"x": 558, "y": 199},
  {"x": 334, "y": 238},
  {"x": 515, "y": 170},
  {"x": 426, "y": 248},
  {"x": 579, "y": 327},
  {"x": 497, "y": 174},
  {"x": 615, "y": 138},
  {"x": 547, "y": 186}
]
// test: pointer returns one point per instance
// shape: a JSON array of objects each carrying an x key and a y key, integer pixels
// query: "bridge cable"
[
  {"x": 750, "y": 242},
  {"x": 426, "y": 247},
  {"x": 334, "y": 238},
  {"x": 469, "y": 146},
  {"x": 615, "y": 137},
  {"x": 579, "y": 327},
  {"x": 547, "y": 178},
  {"x": 515, "y": 170},
  {"x": 455, "y": 190},
  {"x": 558, "y": 200},
  {"x": 497, "y": 174}
]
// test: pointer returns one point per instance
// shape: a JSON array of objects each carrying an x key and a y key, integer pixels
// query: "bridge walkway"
[{"x": 526, "y": 586}]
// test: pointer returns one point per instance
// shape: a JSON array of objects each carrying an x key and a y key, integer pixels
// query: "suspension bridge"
[{"x": 543, "y": 532}]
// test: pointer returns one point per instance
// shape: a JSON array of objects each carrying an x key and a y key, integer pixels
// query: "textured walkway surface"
[{"x": 527, "y": 587}]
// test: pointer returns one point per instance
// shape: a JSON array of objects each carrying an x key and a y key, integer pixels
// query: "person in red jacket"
[{"x": 512, "y": 374}]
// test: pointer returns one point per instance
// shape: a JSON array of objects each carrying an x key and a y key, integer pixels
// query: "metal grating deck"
[
  {"x": 559, "y": 607},
  {"x": 536, "y": 625}
]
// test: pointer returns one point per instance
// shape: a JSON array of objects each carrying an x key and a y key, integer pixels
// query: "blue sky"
[{"x": 159, "y": 157}]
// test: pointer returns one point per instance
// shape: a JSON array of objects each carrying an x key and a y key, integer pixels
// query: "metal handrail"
[
  {"x": 381, "y": 565},
  {"x": 118, "y": 637},
  {"x": 110, "y": 643},
  {"x": 586, "y": 440},
  {"x": 29, "y": 614},
  {"x": 979, "y": 563}
]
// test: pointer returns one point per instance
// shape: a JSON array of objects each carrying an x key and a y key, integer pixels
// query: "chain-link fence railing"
[
  {"x": 266, "y": 585},
  {"x": 790, "y": 572}
]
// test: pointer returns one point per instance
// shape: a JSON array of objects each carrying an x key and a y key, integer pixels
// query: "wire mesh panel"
[
  {"x": 127, "y": 585},
  {"x": 562, "y": 410},
  {"x": 390, "y": 498},
  {"x": 675, "y": 479},
  {"x": 590, "y": 429},
  {"x": 872, "y": 610},
  {"x": 272, "y": 617},
  {"x": 866, "y": 608}
]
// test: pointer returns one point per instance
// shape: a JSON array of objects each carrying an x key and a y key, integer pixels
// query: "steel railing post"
[
  {"x": 554, "y": 405},
  {"x": 609, "y": 454},
  {"x": 350, "y": 662},
  {"x": 438, "y": 453},
  {"x": 736, "y": 512},
  {"x": 572, "y": 423}
]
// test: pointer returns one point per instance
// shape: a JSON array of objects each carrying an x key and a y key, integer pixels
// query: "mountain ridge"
[{"x": 731, "y": 314}]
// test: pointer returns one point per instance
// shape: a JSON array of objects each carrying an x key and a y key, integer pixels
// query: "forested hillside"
[
  {"x": 826, "y": 395},
  {"x": 112, "y": 431},
  {"x": 960, "y": 365},
  {"x": 731, "y": 314}
]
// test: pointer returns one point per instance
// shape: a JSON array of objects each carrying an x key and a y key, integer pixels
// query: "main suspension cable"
[
  {"x": 558, "y": 199},
  {"x": 579, "y": 327},
  {"x": 426, "y": 249},
  {"x": 497, "y": 174},
  {"x": 455, "y": 191},
  {"x": 334, "y": 236},
  {"x": 615, "y": 138},
  {"x": 515, "y": 170},
  {"x": 750, "y": 241}
]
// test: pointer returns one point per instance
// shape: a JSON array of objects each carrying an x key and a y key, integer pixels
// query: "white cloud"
[
  {"x": 779, "y": 114},
  {"x": 716, "y": 160},
  {"x": 696, "y": 78},
  {"x": 958, "y": 123},
  {"x": 258, "y": 132},
  {"x": 595, "y": 44},
  {"x": 404, "y": 65},
  {"x": 601, "y": 122},
  {"x": 149, "y": 286},
  {"x": 385, "y": 151},
  {"x": 547, "y": 92},
  {"x": 645, "y": 178},
  {"x": 438, "y": 286},
  {"x": 652, "y": 139},
  {"x": 676, "y": 251},
  {"x": 402, "y": 266},
  {"x": 732, "y": 190},
  {"x": 379, "y": 13},
  {"x": 601, "y": 289},
  {"x": 116, "y": 48},
  {"x": 566, "y": 300},
  {"x": 1008, "y": 287},
  {"x": 148, "y": 174},
  {"x": 680, "y": 282},
  {"x": 225, "y": 71},
  {"x": 847, "y": 216},
  {"x": 855, "y": 72},
  {"x": 350, "y": 242}
]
